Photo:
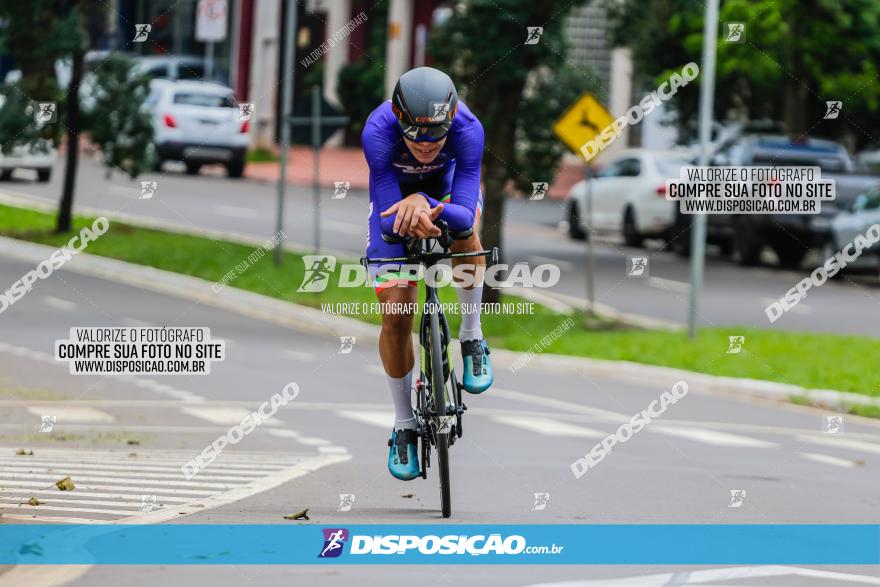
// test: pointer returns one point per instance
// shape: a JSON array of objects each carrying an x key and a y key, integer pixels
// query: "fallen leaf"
[
  {"x": 22, "y": 452},
  {"x": 132, "y": 455},
  {"x": 407, "y": 494},
  {"x": 859, "y": 462},
  {"x": 298, "y": 515},
  {"x": 34, "y": 501},
  {"x": 65, "y": 484},
  {"x": 134, "y": 442}
]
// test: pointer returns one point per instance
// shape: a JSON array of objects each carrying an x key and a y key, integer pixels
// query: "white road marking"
[
  {"x": 669, "y": 285},
  {"x": 381, "y": 419},
  {"x": 564, "y": 265},
  {"x": 48, "y": 520},
  {"x": 559, "y": 404},
  {"x": 73, "y": 510},
  {"x": 344, "y": 227},
  {"x": 827, "y": 459},
  {"x": 136, "y": 322},
  {"x": 114, "y": 479},
  {"x": 73, "y": 468},
  {"x": 299, "y": 356},
  {"x": 125, "y": 191},
  {"x": 224, "y": 416},
  {"x": 68, "y": 413},
  {"x": 92, "y": 487},
  {"x": 333, "y": 449},
  {"x": 712, "y": 437},
  {"x": 284, "y": 433},
  {"x": 111, "y": 503},
  {"x": 702, "y": 577},
  {"x": 234, "y": 211},
  {"x": 841, "y": 443},
  {"x": 374, "y": 369},
  {"x": 77, "y": 494},
  {"x": 59, "y": 304},
  {"x": 312, "y": 441},
  {"x": 133, "y": 467},
  {"x": 548, "y": 426}
]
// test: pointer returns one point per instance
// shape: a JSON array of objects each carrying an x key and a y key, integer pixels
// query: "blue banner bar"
[{"x": 196, "y": 544}]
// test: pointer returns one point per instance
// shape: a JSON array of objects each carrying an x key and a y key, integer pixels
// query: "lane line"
[
  {"x": 827, "y": 459},
  {"x": 712, "y": 437},
  {"x": 137, "y": 489},
  {"x": 70, "y": 469},
  {"x": 129, "y": 467},
  {"x": 224, "y": 416},
  {"x": 234, "y": 211},
  {"x": 48, "y": 520},
  {"x": 78, "y": 493},
  {"x": 59, "y": 304},
  {"x": 381, "y": 419},
  {"x": 68, "y": 413},
  {"x": 842, "y": 443},
  {"x": 548, "y": 426},
  {"x": 49, "y": 500},
  {"x": 299, "y": 355},
  {"x": 669, "y": 285},
  {"x": 86, "y": 479},
  {"x": 72, "y": 510}
]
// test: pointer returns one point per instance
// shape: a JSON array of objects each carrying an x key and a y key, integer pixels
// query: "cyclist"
[{"x": 424, "y": 149}]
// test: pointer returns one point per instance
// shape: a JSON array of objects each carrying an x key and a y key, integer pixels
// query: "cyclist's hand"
[
  {"x": 408, "y": 212},
  {"x": 425, "y": 227}
]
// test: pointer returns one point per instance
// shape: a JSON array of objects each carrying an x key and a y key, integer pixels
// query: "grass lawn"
[{"x": 846, "y": 363}]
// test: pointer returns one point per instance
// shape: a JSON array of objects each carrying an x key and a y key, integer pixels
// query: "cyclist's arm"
[
  {"x": 384, "y": 188},
  {"x": 459, "y": 212}
]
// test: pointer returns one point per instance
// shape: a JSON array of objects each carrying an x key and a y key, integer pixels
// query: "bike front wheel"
[{"x": 441, "y": 419}]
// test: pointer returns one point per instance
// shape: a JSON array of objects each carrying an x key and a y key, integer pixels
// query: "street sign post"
[
  {"x": 582, "y": 122},
  {"x": 210, "y": 28}
]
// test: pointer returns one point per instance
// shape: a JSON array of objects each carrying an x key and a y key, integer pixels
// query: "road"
[
  {"x": 121, "y": 439},
  {"x": 733, "y": 296}
]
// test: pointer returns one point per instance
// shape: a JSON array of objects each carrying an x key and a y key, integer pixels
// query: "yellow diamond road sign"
[{"x": 582, "y": 122}]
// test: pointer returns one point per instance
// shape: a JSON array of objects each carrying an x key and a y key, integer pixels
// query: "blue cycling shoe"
[
  {"x": 477, "y": 367},
  {"x": 403, "y": 458}
]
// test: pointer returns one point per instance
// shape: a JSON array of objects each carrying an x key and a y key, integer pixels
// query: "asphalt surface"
[
  {"x": 732, "y": 295},
  {"x": 121, "y": 439}
]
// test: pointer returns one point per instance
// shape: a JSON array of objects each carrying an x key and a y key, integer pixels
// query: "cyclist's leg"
[{"x": 397, "y": 295}]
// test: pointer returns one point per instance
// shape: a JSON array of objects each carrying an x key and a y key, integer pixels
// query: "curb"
[{"x": 314, "y": 321}]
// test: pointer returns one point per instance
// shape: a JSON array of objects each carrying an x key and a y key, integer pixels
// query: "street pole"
[
  {"x": 209, "y": 61},
  {"x": 707, "y": 95},
  {"x": 286, "y": 97},
  {"x": 591, "y": 261},
  {"x": 316, "y": 173}
]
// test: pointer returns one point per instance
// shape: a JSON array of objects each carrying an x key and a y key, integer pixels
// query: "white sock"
[
  {"x": 401, "y": 395},
  {"x": 471, "y": 300}
]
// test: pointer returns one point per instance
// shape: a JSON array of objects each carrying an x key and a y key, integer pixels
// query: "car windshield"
[
  {"x": 208, "y": 100},
  {"x": 670, "y": 166},
  {"x": 831, "y": 164}
]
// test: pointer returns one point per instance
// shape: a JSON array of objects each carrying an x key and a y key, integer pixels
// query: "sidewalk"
[{"x": 348, "y": 164}]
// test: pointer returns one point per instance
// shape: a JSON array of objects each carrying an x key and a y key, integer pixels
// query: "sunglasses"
[{"x": 431, "y": 134}]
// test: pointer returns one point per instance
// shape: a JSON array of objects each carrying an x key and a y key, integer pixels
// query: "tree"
[
  {"x": 40, "y": 33},
  {"x": 482, "y": 45},
  {"x": 797, "y": 55}
]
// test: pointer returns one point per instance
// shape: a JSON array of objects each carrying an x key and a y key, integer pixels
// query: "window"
[
  {"x": 630, "y": 168},
  {"x": 208, "y": 100},
  {"x": 190, "y": 71},
  {"x": 610, "y": 170}
]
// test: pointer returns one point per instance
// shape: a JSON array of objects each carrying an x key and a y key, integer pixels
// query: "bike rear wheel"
[{"x": 438, "y": 392}]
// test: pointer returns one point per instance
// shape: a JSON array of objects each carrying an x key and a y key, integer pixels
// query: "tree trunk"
[
  {"x": 498, "y": 156},
  {"x": 65, "y": 208}
]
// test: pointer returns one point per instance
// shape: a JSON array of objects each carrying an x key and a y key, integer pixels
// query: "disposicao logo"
[{"x": 334, "y": 540}]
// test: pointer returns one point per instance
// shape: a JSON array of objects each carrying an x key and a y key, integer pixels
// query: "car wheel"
[
  {"x": 746, "y": 244},
  {"x": 631, "y": 235},
  {"x": 680, "y": 236},
  {"x": 192, "y": 168},
  {"x": 575, "y": 230},
  {"x": 790, "y": 254},
  {"x": 6, "y": 174},
  {"x": 44, "y": 174},
  {"x": 235, "y": 168}
]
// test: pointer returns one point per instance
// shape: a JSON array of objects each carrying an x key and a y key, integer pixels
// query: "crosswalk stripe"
[
  {"x": 52, "y": 519},
  {"x": 105, "y": 502},
  {"x": 842, "y": 443},
  {"x": 73, "y": 510},
  {"x": 827, "y": 459},
  {"x": 109, "y": 478},
  {"x": 548, "y": 426},
  {"x": 380, "y": 419},
  {"x": 137, "y": 489},
  {"x": 713, "y": 437},
  {"x": 222, "y": 415},
  {"x": 71, "y": 469},
  {"x": 133, "y": 467},
  {"x": 67, "y": 413},
  {"x": 77, "y": 494}
]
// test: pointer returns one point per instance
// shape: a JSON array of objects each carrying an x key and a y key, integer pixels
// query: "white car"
[
  {"x": 198, "y": 123},
  {"x": 862, "y": 214},
  {"x": 39, "y": 156},
  {"x": 629, "y": 196}
]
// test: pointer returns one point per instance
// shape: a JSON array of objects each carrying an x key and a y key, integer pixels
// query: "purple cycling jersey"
[{"x": 395, "y": 173}]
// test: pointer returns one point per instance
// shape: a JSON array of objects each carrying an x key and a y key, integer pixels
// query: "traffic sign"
[
  {"x": 582, "y": 122},
  {"x": 211, "y": 20}
]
